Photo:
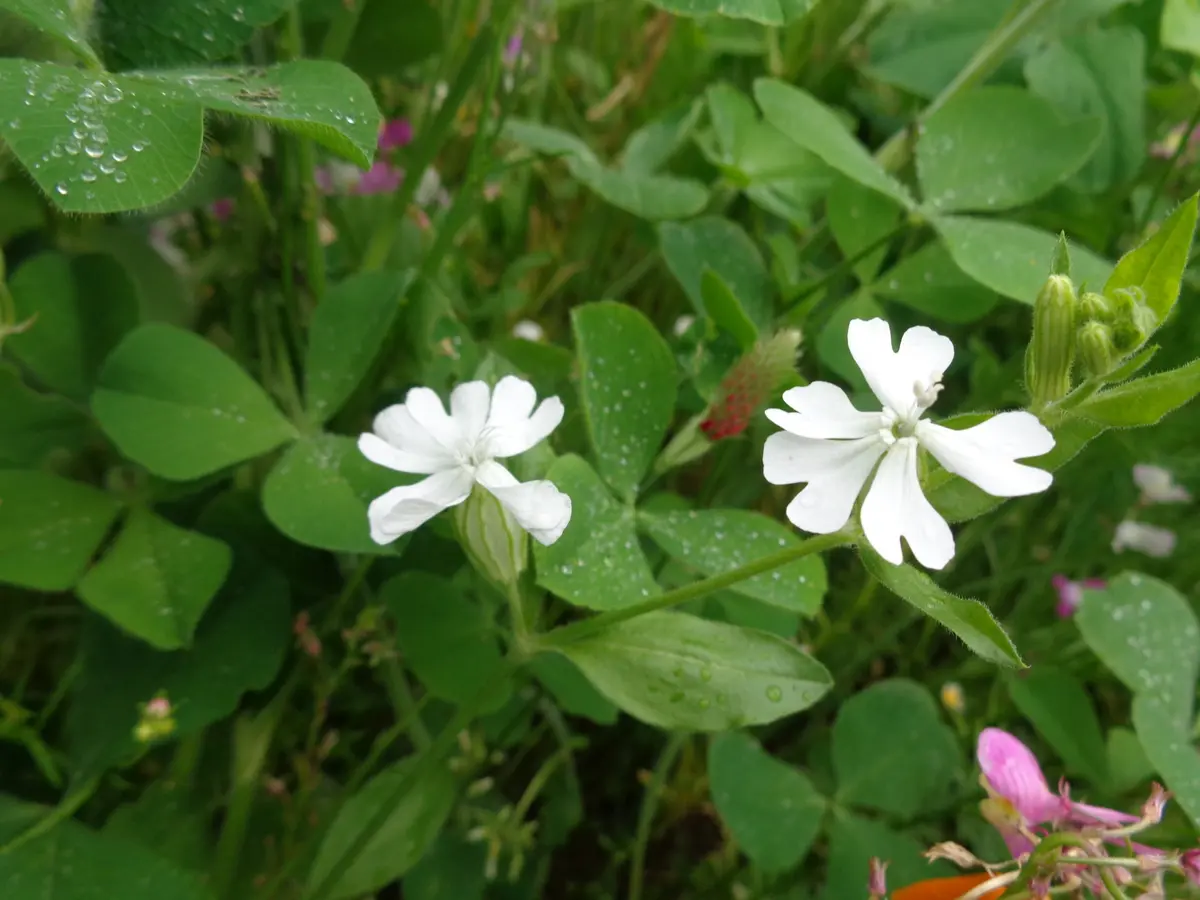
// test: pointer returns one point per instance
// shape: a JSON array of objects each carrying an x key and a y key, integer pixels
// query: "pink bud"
[
  {"x": 877, "y": 882},
  {"x": 395, "y": 133},
  {"x": 158, "y": 708},
  {"x": 1191, "y": 866},
  {"x": 1152, "y": 809}
]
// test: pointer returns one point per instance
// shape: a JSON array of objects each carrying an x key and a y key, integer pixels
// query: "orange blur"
[{"x": 946, "y": 888}]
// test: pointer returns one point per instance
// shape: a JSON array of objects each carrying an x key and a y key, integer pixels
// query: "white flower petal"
[
  {"x": 380, "y": 452},
  {"x": 404, "y": 508},
  {"x": 984, "y": 454},
  {"x": 470, "y": 403},
  {"x": 835, "y": 472},
  {"x": 397, "y": 426},
  {"x": 513, "y": 425},
  {"x": 870, "y": 342},
  {"x": 823, "y": 411},
  {"x": 1149, "y": 539},
  {"x": 925, "y": 355},
  {"x": 1158, "y": 485},
  {"x": 425, "y": 407},
  {"x": 896, "y": 508},
  {"x": 538, "y": 506}
]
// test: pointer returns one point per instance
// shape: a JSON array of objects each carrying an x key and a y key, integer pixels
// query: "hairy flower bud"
[
  {"x": 1096, "y": 351},
  {"x": 1051, "y": 351},
  {"x": 497, "y": 546},
  {"x": 1095, "y": 307},
  {"x": 750, "y": 383}
]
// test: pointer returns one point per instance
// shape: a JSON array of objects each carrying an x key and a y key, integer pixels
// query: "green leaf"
[
  {"x": 765, "y": 12},
  {"x": 177, "y": 405},
  {"x": 571, "y": 689},
  {"x": 1100, "y": 72},
  {"x": 156, "y": 580},
  {"x": 646, "y": 196},
  {"x": 347, "y": 331},
  {"x": 1060, "y": 709},
  {"x": 1156, "y": 266},
  {"x": 598, "y": 562},
  {"x": 406, "y": 834},
  {"x": 169, "y": 32},
  {"x": 319, "y": 491},
  {"x": 737, "y": 609},
  {"x": 859, "y": 217},
  {"x": 854, "y": 840},
  {"x": 83, "y": 305},
  {"x": 63, "y": 20},
  {"x": 1167, "y": 738},
  {"x": 1011, "y": 258},
  {"x": 1127, "y": 763},
  {"x": 677, "y": 671},
  {"x": 391, "y": 36},
  {"x": 1180, "y": 26},
  {"x": 814, "y": 127},
  {"x": 546, "y": 139},
  {"x": 49, "y": 528},
  {"x": 996, "y": 148},
  {"x": 930, "y": 282},
  {"x": 168, "y": 819},
  {"x": 719, "y": 540},
  {"x": 772, "y": 810},
  {"x": 969, "y": 619},
  {"x": 892, "y": 752},
  {"x": 833, "y": 348},
  {"x": 453, "y": 869},
  {"x": 726, "y": 310},
  {"x": 651, "y": 147},
  {"x": 238, "y": 647},
  {"x": 448, "y": 640},
  {"x": 72, "y": 862},
  {"x": 1143, "y": 401},
  {"x": 36, "y": 425},
  {"x": 724, "y": 247},
  {"x": 628, "y": 389}
]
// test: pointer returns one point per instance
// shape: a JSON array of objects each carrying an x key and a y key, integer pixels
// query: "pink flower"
[
  {"x": 1021, "y": 798},
  {"x": 222, "y": 208},
  {"x": 381, "y": 178},
  {"x": 344, "y": 178},
  {"x": 1070, "y": 593},
  {"x": 1191, "y": 866},
  {"x": 395, "y": 133}
]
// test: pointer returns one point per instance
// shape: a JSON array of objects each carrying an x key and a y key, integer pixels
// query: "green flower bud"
[
  {"x": 1133, "y": 320},
  {"x": 1095, "y": 307},
  {"x": 1052, "y": 349},
  {"x": 1096, "y": 350},
  {"x": 497, "y": 546}
]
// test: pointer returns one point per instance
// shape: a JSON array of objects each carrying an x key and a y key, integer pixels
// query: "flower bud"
[
  {"x": 751, "y": 381},
  {"x": 1096, "y": 350},
  {"x": 688, "y": 444},
  {"x": 877, "y": 880},
  {"x": 1095, "y": 307},
  {"x": 1051, "y": 351},
  {"x": 497, "y": 546},
  {"x": 1191, "y": 866}
]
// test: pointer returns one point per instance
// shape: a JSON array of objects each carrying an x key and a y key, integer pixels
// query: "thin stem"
[
  {"x": 405, "y": 704},
  {"x": 561, "y": 755},
  {"x": 65, "y": 809},
  {"x": 1110, "y": 885},
  {"x": 637, "y": 866},
  {"x": 848, "y": 264},
  {"x": 587, "y": 627},
  {"x": 1163, "y": 178},
  {"x": 310, "y": 197},
  {"x": 341, "y": 29}
]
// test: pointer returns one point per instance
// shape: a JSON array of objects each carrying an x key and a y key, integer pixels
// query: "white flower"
[
  {"x": 834, "y": 447},
  {"x": 528, "y": 330},
  {"x": 1148, "y": 539},
  {"x": 459, "y": 450},
  {"x": 682, "y": 324},
  {"x": 1158, "y": 485}
]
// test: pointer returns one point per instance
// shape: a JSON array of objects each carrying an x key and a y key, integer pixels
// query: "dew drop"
[
  {"x": 95, "y": 151},
  {"x": 137, "y": 146},
  {"x": 119, "y": 177},
  {"x": 87, "y": 176},
  {"x": 61, "y": 189},
  {"x": 774, "y": 693}
]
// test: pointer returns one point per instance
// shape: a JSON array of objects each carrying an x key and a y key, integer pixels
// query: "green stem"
[
  {"x": 306, "y": 164},
  {"x": 1144, "y": 219},
  {"x": 1110, "y": 885},
  {"x": 637, "y": 866},
  {"x": 587, "y": 627},
  {"x": 405, "y": 704},
  {"x": 341, "y": 29},
  {"x": 848, "y": 264},
  {"x": 68, "y": 807}
]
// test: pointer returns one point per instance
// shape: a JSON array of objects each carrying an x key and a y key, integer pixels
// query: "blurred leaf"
[
  {"x": 346, "y": 333},
  {"x": 71, "y": 862},
  {"x": 168, "y": 32},
  {"x": 21, "y": 209},
  {"x": 1100, "y": 72},
  {"x": 1011, "y": 258},
  {"x": 766, "y": 12},
  {"x": 66, "y": 21},
  {"x": 36, "y": 425},
  {"x": 447, "y": 640},
  {"x": 1170, "y": 747},
  {"x": 83, "y": 305},
  {"x": 408, "y": 831},
  {"x": 814, "y": 127},
  {"x": 49, "y": 528},
  {"x": 995, "y": 148},
  {"x": 710, "y": 242},
  {"x": 969, "y": 619},
  {"x": 892, "y": 752},
  {"x": 392, "y": 36},
  {"x": 1143, "y": 401},
  {"x": 177, "y": 405},
  {"x": 546, "y": 139},
  {"x": 1156, "y": 266},
  {"x": 1127, "y": 763},
  {"x": 930, "y": 282},
  {"x": 452, "y": 870},
  {"x": 859, "y": 217},
  {"x": 571, "y": 689},
  {"x": 1060, "y": 709},
  {"x": 238, "y": 647},
  {"x": 628, "y": 389},
  {"x": 645, "y": 196},
  {"x": 319, "y": 490},
  {"x": 156, "y": 580},
  {"x": 167, "y": 820},
  {"x": 832, "y": 346},
  {"x": 854, "y": 840},
  {"x": 718, "y": 540},
  {"x": 598, "y": 562},
  {"x": 737, "y": 609},
  {"x": 1181, "y": 26},
  {"x": 726, "y": 311},
  {"x": 677, "y": 671},
  {"x": 651, "y": 147},
  {"x": 772, "y": 810}
]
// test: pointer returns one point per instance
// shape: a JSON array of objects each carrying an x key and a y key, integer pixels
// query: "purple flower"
[
  {"x": 343, "y": 178},
  {"x": 222, "y": 208},
  {"x": 1070, "y": 593},
  {"x": 395, "y": 133},
  {"x": 512, "y": 49},
  {"x": 381, "y": 178},
  {"x": 1191, "y": 866}
]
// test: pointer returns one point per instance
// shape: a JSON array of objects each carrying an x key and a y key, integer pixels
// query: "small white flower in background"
[
  {"x": 1158, "y": 485},
  {"x": 682, "y": 324},
  {"x": 1149, "y": 539},
  {"x": 834, "y": 447},
  {"x": 458, "y": 450},
  {"x": 528, "y": 330}
]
